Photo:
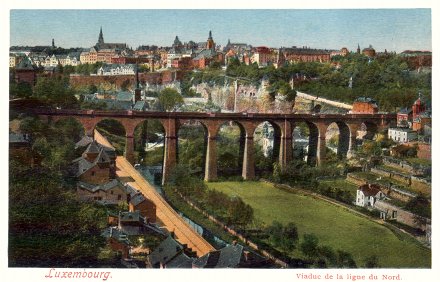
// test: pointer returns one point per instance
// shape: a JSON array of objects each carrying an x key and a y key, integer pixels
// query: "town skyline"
[{"x": 410, "y": 29}]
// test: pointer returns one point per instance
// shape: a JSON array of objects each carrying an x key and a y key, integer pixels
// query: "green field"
[
  {"x": 334, "y": 226},
  {"x": 342, "y": 184}
]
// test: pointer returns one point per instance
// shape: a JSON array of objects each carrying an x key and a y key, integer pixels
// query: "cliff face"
[{"x": 249, "y": 98}]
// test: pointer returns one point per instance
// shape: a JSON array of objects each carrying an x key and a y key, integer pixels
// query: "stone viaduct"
[{"x": 283, "y": 125}]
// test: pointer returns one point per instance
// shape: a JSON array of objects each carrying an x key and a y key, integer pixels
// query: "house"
[
  {"x": 389, "y": 211},
  {"x": 402, "y": 135},
  {"x": 112, "y": 192},
  {"x": 117, "y": 69},
  {"x": 117, "y": 240},
  {"x": 368, "y": 194},
  {"x": 365, "y": 105},
  {"x": 26, "y": 72},
  {"x": 170, "y": 254},
  {"x": 131, "y": 223},
  {"x": 89, "y": 57},
  {"x": 97, "y": 165},
  {"x": 404, "y": 118},
  {"x": 231, "y": 256},
  {"x": 20, "y": 149},
  {"x": 147, "y": 208}
]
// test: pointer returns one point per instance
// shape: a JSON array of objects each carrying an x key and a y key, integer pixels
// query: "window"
[
  {"x": 111, "y": 192},
  {"x": 119, "y": 197},
  {"x": 93, "y": 173},
  {"x": 394, "y": 214}
]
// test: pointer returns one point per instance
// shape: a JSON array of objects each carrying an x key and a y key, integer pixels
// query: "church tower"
[
  {"x": 101, "y": 37},
  {"x": 210, "y": 43},
  {"x": 358, "y": 49}
]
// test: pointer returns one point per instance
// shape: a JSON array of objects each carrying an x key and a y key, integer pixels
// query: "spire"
[
  {"x": 101, "y": 37},
  {"x": 210, "y": 35},
  {"x": 358, "y": 49}
]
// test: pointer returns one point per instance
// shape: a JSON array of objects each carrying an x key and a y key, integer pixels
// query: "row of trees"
[
  {"x": 286, "y": 239},
  {"x": 231, "y": 210}
]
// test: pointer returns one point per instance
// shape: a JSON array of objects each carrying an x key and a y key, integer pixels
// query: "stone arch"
[
  {"x": 342, "y": 140},
  {"x": 194, "y": 129},
  {"x": 114, "y": 130},
  {"x": 229, "y": 162},
  {"x": 368, "y": 130},
  {"x": 267, "y": 143},
  {"x": 305, "y": 141},
  {"x": 148, "y": 148}
]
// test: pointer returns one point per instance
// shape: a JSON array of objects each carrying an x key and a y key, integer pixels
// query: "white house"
[
  {"x": 368, "y": 194},
  {"x": 402, "y": 135},
  {"x": 117, "y": 69}
]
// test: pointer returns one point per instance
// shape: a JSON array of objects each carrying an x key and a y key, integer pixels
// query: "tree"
[
  {"x": 275, "y": 232},
  {"x": 309, "y": 246},
  {"x": 56, "y": 91},
  {"x": 169, "y": 98},
  {"x": 20, "y": 90},
  {"x": 239, "y": 213},
  {"x": 290, "y": 237},
  {"x": 345, "y": 260}
]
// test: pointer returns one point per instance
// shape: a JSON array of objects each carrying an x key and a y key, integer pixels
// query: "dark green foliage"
[
  {"x": 48, "y": 227},
  {"x": 283, "y": 237},
  {"x": 419, "y": 205},
  {"x": 20, "y": 90},
  {"x": 169, "y": 98},
  {"x": 324, "y": 256},
  {"x": 387, "y": 79},
  {"x": 55, "y": 142},
  {"x": 309, "y": 246},
  {"x": 345, "y": 260},
  {"x": 87, "y": 69},
  {"x": 56, "y": 91}
]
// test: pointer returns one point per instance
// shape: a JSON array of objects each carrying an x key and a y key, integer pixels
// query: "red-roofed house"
[{"x": 368, "y": 194}]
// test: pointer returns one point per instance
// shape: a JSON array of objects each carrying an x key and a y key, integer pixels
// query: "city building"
[
  {"x": 364, "y": 105},
  {"x": 231, "y": 256},
  {"x": 170, "y": 254},
  {"x": 138, "y": 202},
  {"x": 305, "y": 54},
  {"x": 97, "y": 165},
  {"x": 89, "y": 57},
  {"x": 402, "y": 135},
  {"x": 100, "y": 45},
  {"x": 112, "y": 192},
  {"x": 404, "y": 118},
  {"x": 26, "y": 72},
  {"x": 343, "y": 52},
  {"x": 369, "y": 52},
  {"x": 116, "y": 69}
]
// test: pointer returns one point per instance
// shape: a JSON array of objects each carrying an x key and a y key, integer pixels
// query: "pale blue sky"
[{"x": 391, "y": 29}]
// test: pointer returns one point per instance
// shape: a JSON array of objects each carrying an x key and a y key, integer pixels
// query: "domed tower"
[{"x": 210, "y": 43}]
